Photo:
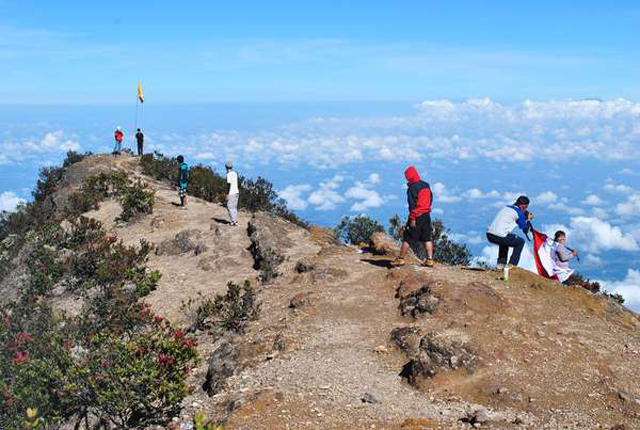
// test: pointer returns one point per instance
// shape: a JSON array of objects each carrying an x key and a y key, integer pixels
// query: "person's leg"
[
  {"x": 232, "y": 206},
  {"x": 518, "y": 244},
  {"x": 503, "y": 247},
  {"x": 408, "y": 238},
  {"x": 429, "y": 246}
]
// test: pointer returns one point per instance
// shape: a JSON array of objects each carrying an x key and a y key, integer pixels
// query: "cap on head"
[
  {"x": 229, "y": 164},
  {"x": 118, "y": 128},
  {"x": 180, "y": 159}
]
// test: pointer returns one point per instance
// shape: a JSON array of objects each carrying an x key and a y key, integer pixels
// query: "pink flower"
[{"x": 20, "y": 357}]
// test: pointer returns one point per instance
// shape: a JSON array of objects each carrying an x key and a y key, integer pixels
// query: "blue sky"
[
  {"x": 332, "y": 100},
  {"x": 87, "y": 52}
]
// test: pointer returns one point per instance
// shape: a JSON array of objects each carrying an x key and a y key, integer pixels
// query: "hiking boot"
[
  {"x": 398, "y": 262},
  {"x": 499, "y": 267},
  {"x": 428, "y": 262}
]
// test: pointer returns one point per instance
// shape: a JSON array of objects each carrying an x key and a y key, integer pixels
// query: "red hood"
[{"x": 412, "y": 175}]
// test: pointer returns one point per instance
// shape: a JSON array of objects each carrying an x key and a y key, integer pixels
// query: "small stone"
[
  {"x": 369, "y": 398},
  {"x": 481, "y": 416},
  {"x": 622, "y": 395}
]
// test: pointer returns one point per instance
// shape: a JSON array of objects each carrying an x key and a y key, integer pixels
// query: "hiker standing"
[
  {"x": 233, "y": 195},
  {"x": 119, "y": 136},
  {"x": 561, "y": 256},
  {"x": 418, "y": 229},
  {"x": 183, "y": 180},
  {"x": 499, "y": 232},
  {"x": 140, "y": 140}
]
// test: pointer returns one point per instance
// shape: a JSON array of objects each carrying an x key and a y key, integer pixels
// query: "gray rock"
[
  {"x": 369, "y": 398},
  {"x": 184, "y": 242},
  {"x": 222, "y": 365}
]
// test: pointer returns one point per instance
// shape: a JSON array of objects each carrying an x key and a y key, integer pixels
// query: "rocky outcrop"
[
  {"x": 222, "y": 364},
  {"x": 184, "y": 242},
  {"x": 435, "y": 352},
  {"x": 382, "y": 244},
  {"x": 268, "y": 235},
  {"x": 417, "y": 296}
]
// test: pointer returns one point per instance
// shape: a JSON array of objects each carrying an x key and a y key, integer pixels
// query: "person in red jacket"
[
  {"x": 418, "y": 227},
  {"x": 119, "y": 136}
]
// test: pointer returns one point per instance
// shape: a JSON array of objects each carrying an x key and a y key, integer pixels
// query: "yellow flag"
[{"x": 140, "y": 96}]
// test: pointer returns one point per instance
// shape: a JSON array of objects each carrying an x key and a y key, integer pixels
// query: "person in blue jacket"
[{"x": 500, "y": 231}]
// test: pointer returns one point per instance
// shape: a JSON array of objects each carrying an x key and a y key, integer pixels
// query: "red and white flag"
[{"x": 543, "y": 255}]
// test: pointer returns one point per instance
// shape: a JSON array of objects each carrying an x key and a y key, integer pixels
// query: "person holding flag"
[
  {"x": 500, "y": 231},
  {"x": 552, "y": 256}
]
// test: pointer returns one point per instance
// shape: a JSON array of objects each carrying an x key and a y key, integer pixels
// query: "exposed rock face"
[
  {"x": 323, "y": 236},
  {"x": 305, "y": 265},
  {"x": 184, "y": 242},
  {"x": 222, "y": 365},
  {"x": 433, "y": 353},
  {"x": 383, "y": 244},
  {"x": 268, "y": 235},
  {"x": 417, "y": 296}
]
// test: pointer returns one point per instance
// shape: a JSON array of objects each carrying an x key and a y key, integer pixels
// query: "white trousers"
[{"x": 232, "y": 206}]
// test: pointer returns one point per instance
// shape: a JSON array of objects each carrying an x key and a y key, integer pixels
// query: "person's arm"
[
  {"x": 521, "y": 220},
  {"x": 563, "y": 254}
]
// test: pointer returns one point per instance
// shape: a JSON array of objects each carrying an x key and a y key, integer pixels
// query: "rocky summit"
[{"x": 344, "y": 341}]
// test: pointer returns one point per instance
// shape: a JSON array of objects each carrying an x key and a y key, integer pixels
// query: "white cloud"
[
  {"x": 594, "y": 235},
  {"x": 629, "y": 288},
  {"x": 592, "y": 259},
  {"x": 368, "y": 198},
  {"x": 562, "y": 207},
  {"x": 326, "y": 197},
  {"x": 9, "y": 201},
  {"x": 631, "y": 207},
  {"x": 475, "y": 193},
  {"x": 292, "y": 194},
  {"x": 592, "y": 200},
  {"x": 443, "y": 195},
  {"x": 546, "y": 198},
  {"x": 618, "y": 188},
  {"x": 476, "y": 129},
  {"x": 205, "y": 156}
]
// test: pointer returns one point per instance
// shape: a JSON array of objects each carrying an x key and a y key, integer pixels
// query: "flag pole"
[{"x": 135, "y": 124}]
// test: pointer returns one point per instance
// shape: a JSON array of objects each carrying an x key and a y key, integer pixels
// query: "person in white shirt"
[
  {"x": 233, "y": 194},
  {"x": 499, "y": 232}
]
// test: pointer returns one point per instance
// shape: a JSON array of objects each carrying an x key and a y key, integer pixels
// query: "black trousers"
[
  {"x": 504, "y": 243},
  {"x": 140, "y": 144}
]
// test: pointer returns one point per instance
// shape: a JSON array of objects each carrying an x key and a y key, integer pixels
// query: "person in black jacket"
[{"x": 140, "y": 140}]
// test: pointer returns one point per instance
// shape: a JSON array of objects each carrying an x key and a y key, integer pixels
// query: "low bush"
[
  {"x": 357, "y": 230},
  {"x": 223, "y": 312},
  {"x": 445, "y": 250},
  {"x": 136, "y": 199}
]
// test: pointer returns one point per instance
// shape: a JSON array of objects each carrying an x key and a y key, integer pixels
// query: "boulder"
[
  {"x": 184, "y": 242},
  {"x": 434, "y": 353},
  {"x": 383, "y": 244},
  {"x": 222, "y": 365}
]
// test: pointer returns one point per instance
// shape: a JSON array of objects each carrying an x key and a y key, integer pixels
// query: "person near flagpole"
[
  {"x": 119, "y": 137},
  {"x": 140, "y": 140},
  {"x": 500, "y": 231},
  {"x": 561, "y": 256}
]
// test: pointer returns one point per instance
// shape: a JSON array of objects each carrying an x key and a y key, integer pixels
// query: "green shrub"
[
  {"x": 445, "y": 250},
  {"x": 136, "y": 199},
  {"x": 230, "y": 311},
  {"x": 357, "y": 230}
]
